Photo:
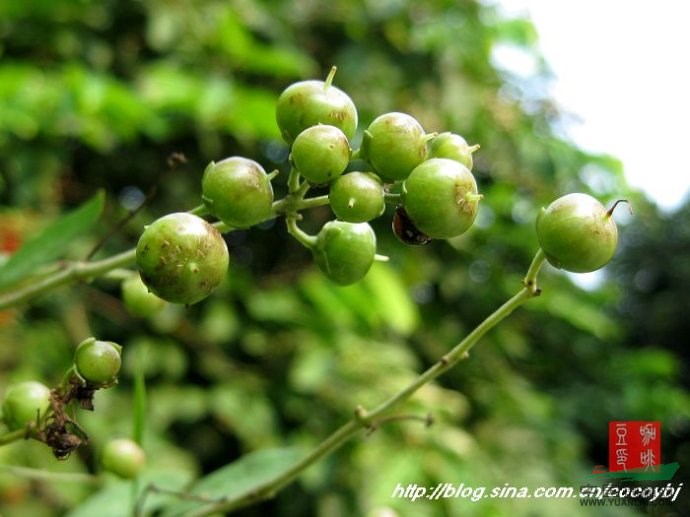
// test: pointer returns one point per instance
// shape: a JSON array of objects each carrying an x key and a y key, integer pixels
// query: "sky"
[{"x": 622, "y": 69}]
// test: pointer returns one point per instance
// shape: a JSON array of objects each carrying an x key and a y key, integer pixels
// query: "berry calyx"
[
  {"x": 577, "y": 233},
  {"x": 123, "y": 457},
  {"x": 97, "y": 362},
  {"x": 237, "y": 191},
  {"x": 182, "y": 258},
  {"x": 321, "y": 153},
  {"x": 344, "y": 251},
  {"x": 440, "y": 197},
  {"x": 394, "y": 144},
  {"x": 453, "y": 146},
  {"x": 357, "y": 197},
  {"x": 138, "y": 300},
  {"x": 25, "y": 403},
  {"x": 307, "y": 103}
]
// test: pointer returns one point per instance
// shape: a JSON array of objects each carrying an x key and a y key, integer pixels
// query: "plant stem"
[
  {"x": 72, "y": 272},
  {"x": 365, "y": 418},
  {"x": 13, "y": 436},
  {"x": 38, "y": 474}
]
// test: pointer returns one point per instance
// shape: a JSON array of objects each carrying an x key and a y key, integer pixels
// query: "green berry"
[
  {"x": 394, "y": 144},
  {"x": 182, "y": 258},
  {"x": 237, "y": 191},
  {"x": 440, "y": 197},
  {"x": 577, "y": 233},
  {"x": 357, "y": 197},
  {"x": 455, "y": 147},
  {"x": 321, "y": 153},
  {"x": 308, "y": 103},
  {"x": 123, "y": 457},
  {"x": 138, "y": 300},
  {"x": 344, "y": 251},
  {"x": 97, "y": 362},
  {"x": 25, "y": 403}
]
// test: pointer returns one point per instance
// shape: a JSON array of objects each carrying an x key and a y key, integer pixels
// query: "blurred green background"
[{"x": 131, "y": 96}]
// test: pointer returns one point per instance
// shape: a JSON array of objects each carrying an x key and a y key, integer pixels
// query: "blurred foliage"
[{"x": 136, "y": 97}]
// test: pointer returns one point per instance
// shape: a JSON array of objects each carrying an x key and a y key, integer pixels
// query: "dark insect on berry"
[{"x": 406, "y": 231}]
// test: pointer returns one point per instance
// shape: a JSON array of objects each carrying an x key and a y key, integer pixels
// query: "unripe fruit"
[
  {"x": 455, "y": 147},
  {"x": 344, "y": 252},
  {"x": 394, "y": 144},
  {"x": 97, "y": 362},
  {"x": 237, "y": 191},
  {"x": 123, "y": 457},
  {"x": 440, "y": 197},
  {"x": 357, "y": 197},
  {"x": 307, "y": 103},
  {"x": 137, "y": 298},
  {"x": 321, "y": 153},
  {"x": 182, "y": 258},
  {"x": 577, "y": 233},
  {"x": 24, "y": 403}
]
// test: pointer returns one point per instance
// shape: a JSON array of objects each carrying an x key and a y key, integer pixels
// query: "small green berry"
[
  {"x": 357, "y": 197},
  {"x": 138, "y": 300},
  {"x": 394, "y": 144},
  {"x": 440, "y": 197},
  {"x": 237, "y": 191},
  {"x": 321, "y": 153},
  {"x": 123, "y": 457},
  {"x": 182, "y": 258},
  {"x": 455, "y": 147},
  {"x": 97, "y": 362},
  {"x": 308, "y": 103},
  {"x": 344, "y": 252},
  {"x": 577, "y": 233},
  {"x": 25, "y": 403}
]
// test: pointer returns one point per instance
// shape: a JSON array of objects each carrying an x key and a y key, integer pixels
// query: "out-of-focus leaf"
[
  {"x": 112, "y": 500},
  {"x": 579, "y": 313},
  {"x": 52, "y": 242},
  {"x": 238, "y": 478}
]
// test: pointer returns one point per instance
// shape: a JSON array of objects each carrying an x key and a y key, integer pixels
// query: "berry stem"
[
  {"x": 366, "y": 419},
  {"x": 308, "y": 241}
]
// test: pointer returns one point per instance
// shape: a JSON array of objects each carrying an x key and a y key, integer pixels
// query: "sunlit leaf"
[
  {"x": 52, "y": 242},
  {"x": 239, "y": 478}
]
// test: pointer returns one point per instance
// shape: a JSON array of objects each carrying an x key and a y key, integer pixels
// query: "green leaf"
[
  {"x": 115, "y": 499},
  {"x": 239, "y": 478},
  {"x": 52, "y": 242}
]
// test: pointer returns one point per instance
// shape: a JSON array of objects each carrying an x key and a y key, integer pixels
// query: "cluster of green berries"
[
  {"x": 41, "y": 412},
  {"x": 182, "y": 258},
  {"x": 96, "y": 365}
]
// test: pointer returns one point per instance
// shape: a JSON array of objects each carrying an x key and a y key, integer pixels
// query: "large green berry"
[
  {"x": 394, "y": 144},
  {"x": 345, "y": 251},
  {"x": 455, "y": 147},
  {"x": 577, "y": 233},
  {"x": 307, "y": 103},
  {"x": 237, "y": 191},
  {"x": 97, "y": 362},
  {"x": 440, "y": 197},
  {"x": 123, "y": 457},
  {"x": 357, "y": 197},
  {"x": 321, "y": 153},
  {"x": 182, "y": 258},
  {"x": 25, "y": 403},
  {"x": 137, "y": 298}
]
